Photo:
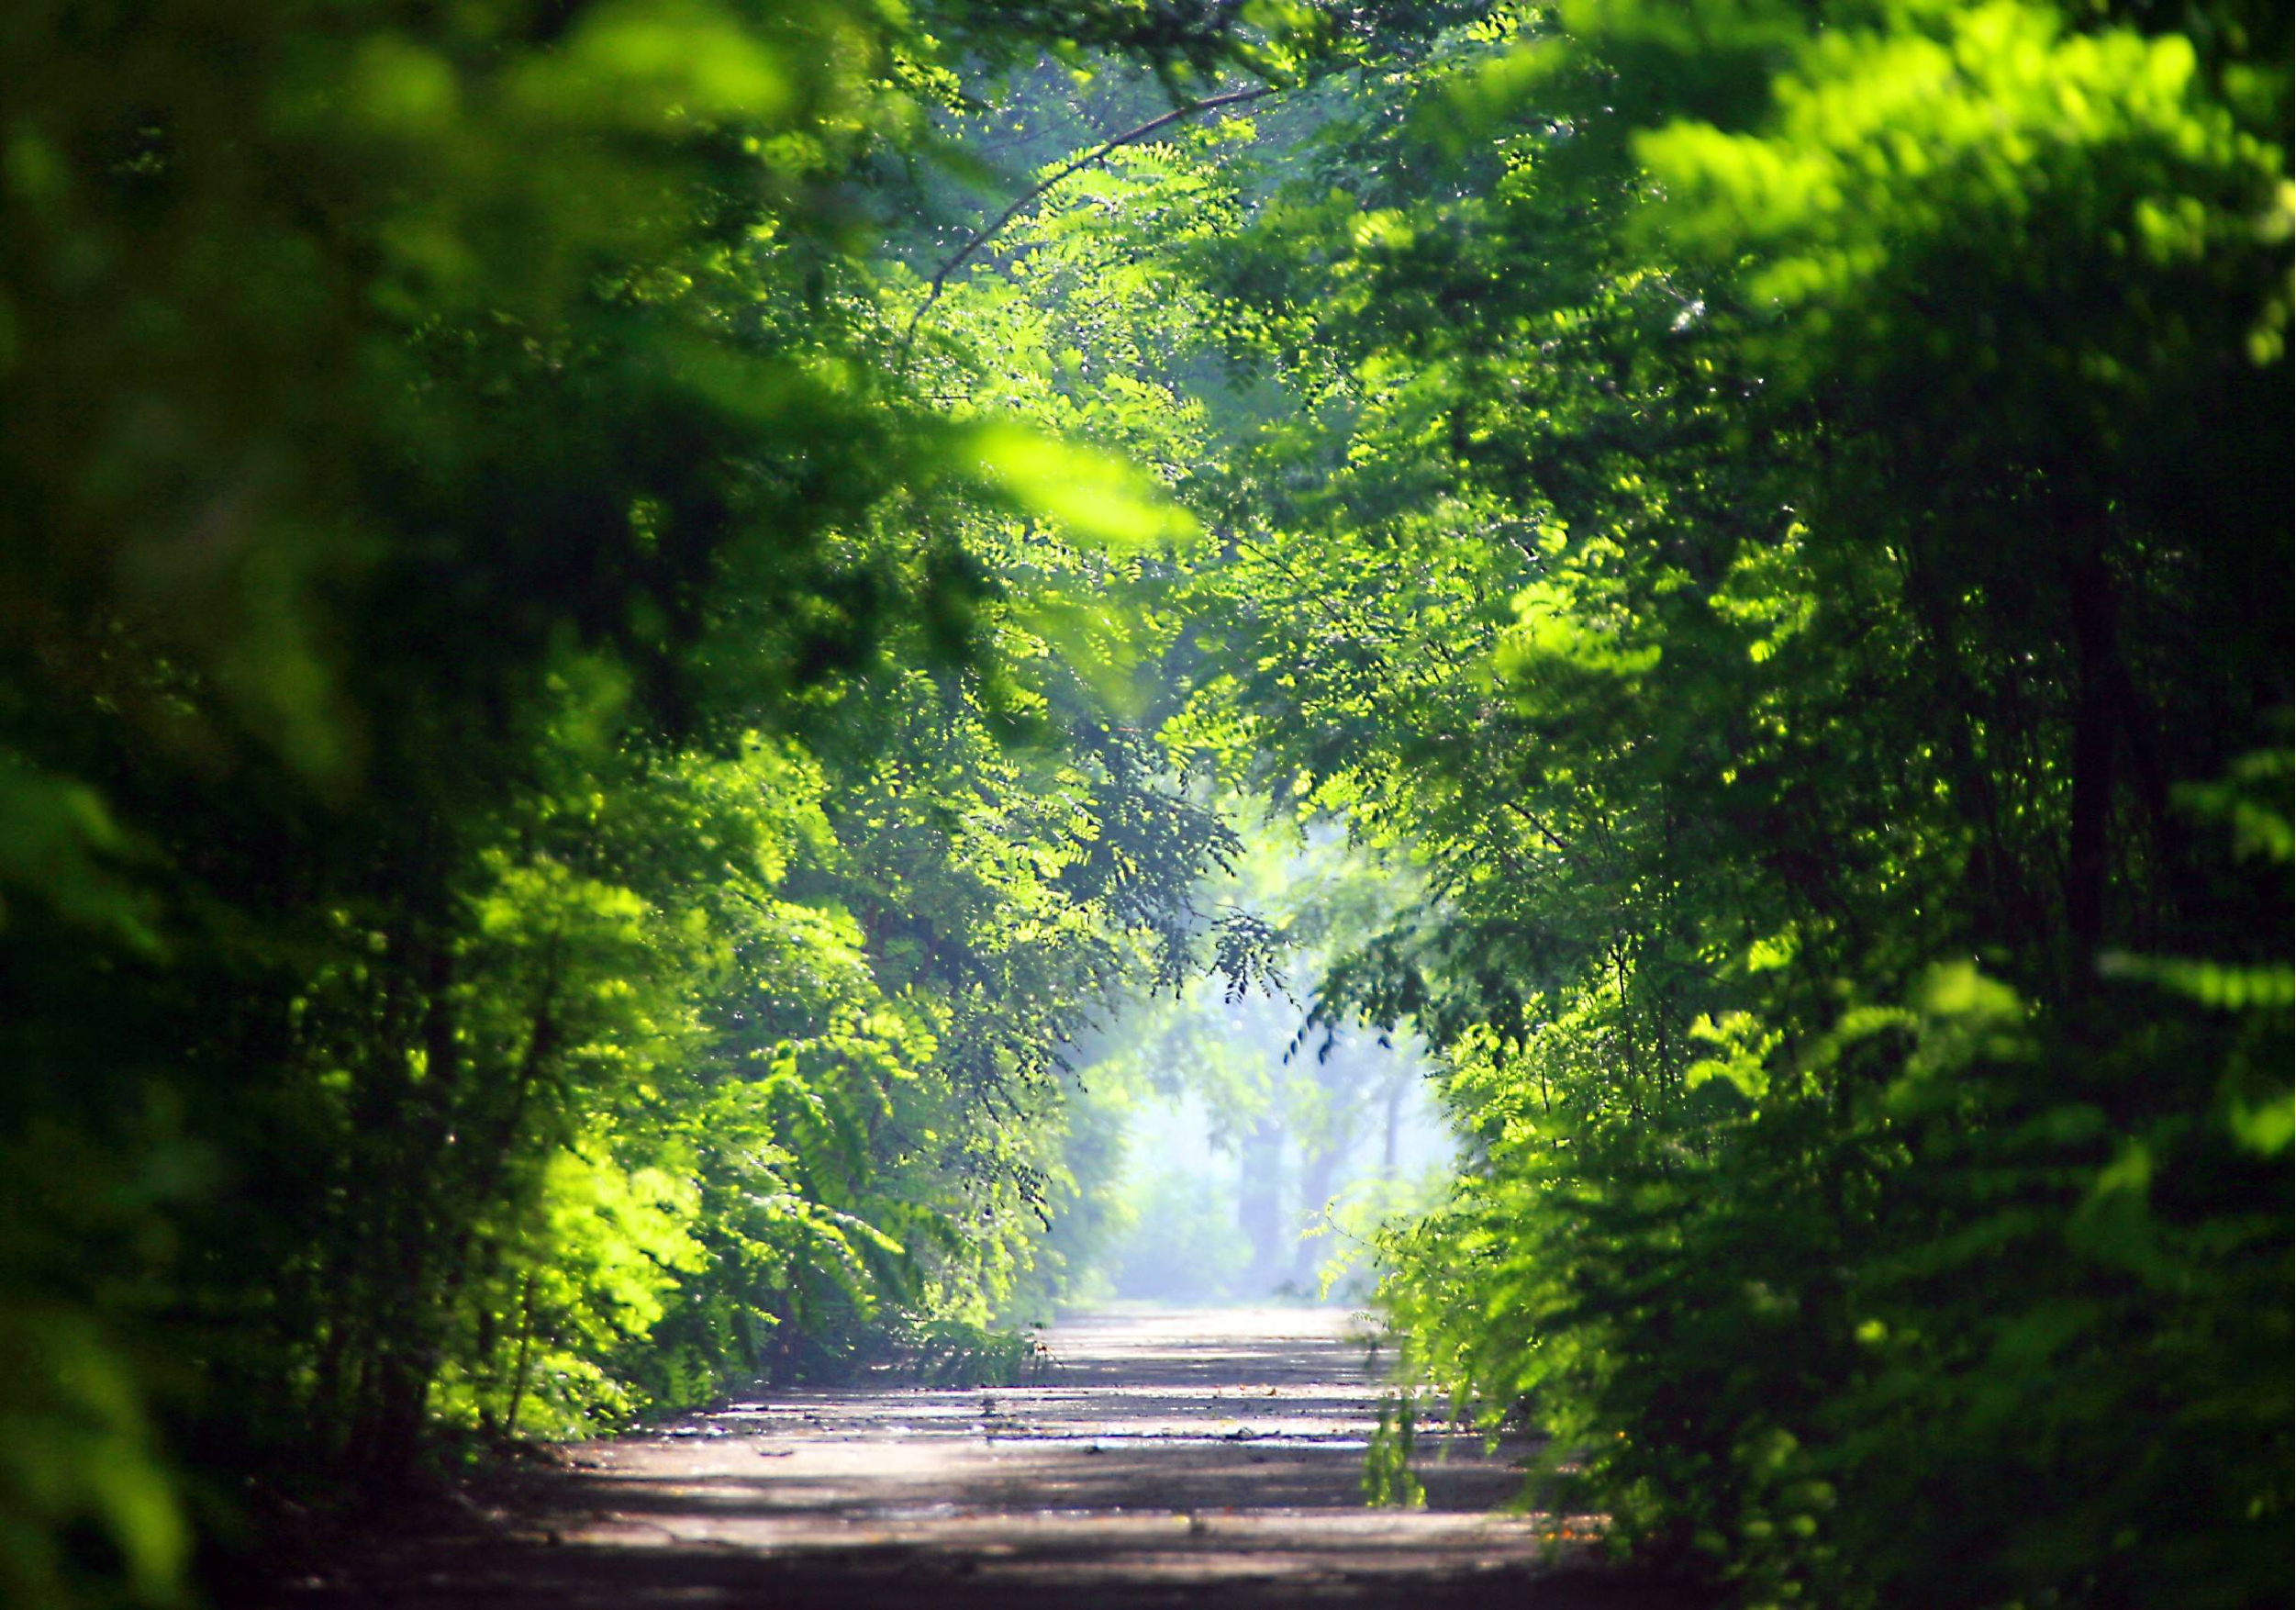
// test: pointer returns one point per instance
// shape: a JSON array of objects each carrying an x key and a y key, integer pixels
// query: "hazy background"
[
  {"x": 1216, "y": 1216},
  {"x": 1221, "y": 1147}
]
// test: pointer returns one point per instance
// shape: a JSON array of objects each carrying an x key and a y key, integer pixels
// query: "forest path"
[{"x": 1200, "y": 1458}]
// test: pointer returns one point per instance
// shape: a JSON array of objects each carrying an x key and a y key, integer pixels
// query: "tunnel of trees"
[{"x": 627, "y": 623}]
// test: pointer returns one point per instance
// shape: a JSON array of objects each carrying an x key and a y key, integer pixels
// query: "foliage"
[
  {"x": 574, "y": 778},
  {"x": 551, "y": 825},
  {"x": 1783, "y": 514}
]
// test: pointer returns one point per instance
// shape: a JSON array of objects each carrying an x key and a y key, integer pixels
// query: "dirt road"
[{"x": 1207, "y": 1459}]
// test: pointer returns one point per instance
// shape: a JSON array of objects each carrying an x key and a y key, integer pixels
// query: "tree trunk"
[{"x": 1260, "y": 1206}]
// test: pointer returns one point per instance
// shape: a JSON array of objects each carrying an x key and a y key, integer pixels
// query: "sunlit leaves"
[
  {"x": 1741, "y": 1048},
  {"x": 1092, "y": 496},
  {"x": 1812, "y": 393},
  {"x": 1890, "y": 156},
  {"x": 630, "y": 61}
]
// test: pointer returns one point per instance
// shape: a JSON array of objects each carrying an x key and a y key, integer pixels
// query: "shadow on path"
[{"x": 1207, "y": 1458}]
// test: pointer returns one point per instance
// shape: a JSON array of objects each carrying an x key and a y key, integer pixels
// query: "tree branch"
[{"x": 982, "y": 236}]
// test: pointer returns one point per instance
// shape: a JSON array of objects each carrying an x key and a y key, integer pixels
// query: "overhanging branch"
[{"x": 1130, "y": 136}]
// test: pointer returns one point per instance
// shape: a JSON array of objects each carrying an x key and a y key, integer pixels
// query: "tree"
[{"x": 1774, "y": 516}]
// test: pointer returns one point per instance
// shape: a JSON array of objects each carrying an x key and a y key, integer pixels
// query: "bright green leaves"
[
  {"x": 1389, "y": 1480},
  {"x": 2067, "y": 170},
  {"x": 1741, "y": 1048},
  {"x": 638, "y": 61},
  {"x": 607, "y": 792},
  {"x": 617, "y": 1240},
  {"x": 1092, "y": 496},
  {"x": 1720, "y": 457},
  {"x": 1768, "y": 593},
  {"x": 1919, "y": 129},
  {"x": 2268, "y": 1126},
  {"x": 1556, "y": 632},
  {"x": 442, "y": 441},
  {"x": 1101, "y": 645},
  {"x": 786, "y": 1042}
]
